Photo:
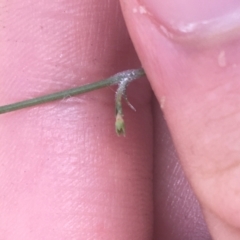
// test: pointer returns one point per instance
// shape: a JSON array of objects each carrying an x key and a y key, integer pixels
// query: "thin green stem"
[{"x": 115, "y": 79}]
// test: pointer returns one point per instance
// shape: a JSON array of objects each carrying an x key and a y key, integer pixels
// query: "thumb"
[{"x": 189, "y": 51}]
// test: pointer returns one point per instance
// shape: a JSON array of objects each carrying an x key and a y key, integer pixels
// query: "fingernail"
[
  {"x": 191, "y": 21},
  {"x": 189, "y": 10}
]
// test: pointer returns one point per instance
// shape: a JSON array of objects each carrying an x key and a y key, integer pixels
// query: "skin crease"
[{"x": 65, "y": 175}]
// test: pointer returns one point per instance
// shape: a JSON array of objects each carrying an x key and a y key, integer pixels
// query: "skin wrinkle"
[
  {"x": 174, "y": 201},
  {"x": 215, "y": 136},
  {"x": 225, "y": 230},
  {"x": 213, "y": 111},
  {"x": 215, "y": 167},
  {"x": 217, "y": 171}
]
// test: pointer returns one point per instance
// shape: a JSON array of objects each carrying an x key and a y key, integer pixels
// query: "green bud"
[{"x": 119, "y": 125}]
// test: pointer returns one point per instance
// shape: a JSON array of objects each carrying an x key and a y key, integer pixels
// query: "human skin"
[
  {"x": 195, "y": 75},
  {"x": 66, "y": 175}
]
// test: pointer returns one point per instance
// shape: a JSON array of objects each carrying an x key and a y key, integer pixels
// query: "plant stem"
[{"x": 113, "y": 80}]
